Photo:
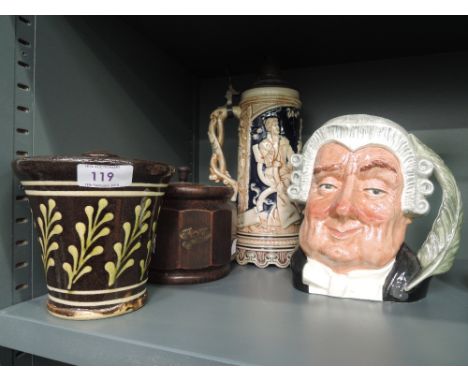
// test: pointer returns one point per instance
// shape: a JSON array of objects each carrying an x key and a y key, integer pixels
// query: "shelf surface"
[{"x": 254, "y": 316}]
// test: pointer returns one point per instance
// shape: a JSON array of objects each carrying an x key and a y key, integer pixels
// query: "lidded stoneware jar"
[
  {"x": 95, "y": 217},
  {"x": 198, "y": 226}
]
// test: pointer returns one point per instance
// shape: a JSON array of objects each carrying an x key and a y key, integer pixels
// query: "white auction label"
[{"x": 103, "y": 176}]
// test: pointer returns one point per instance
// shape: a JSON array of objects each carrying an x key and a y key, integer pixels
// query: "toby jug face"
[{"x": 363, "y": 179}]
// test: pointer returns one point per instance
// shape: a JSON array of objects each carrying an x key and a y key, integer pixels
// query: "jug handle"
[{"x": 218, "y": 170}]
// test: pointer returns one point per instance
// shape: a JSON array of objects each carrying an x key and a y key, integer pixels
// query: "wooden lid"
[{"x": 193, "y": 191}]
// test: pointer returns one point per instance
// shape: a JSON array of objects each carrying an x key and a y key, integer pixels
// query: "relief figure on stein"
[
  {"x": 270, "y": 174},
  {"x": 363, "y": 180},
  {"x": 268, "y": 218}
]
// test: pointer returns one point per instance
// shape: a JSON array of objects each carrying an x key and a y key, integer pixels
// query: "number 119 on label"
[{"x": 102, "y": 176}]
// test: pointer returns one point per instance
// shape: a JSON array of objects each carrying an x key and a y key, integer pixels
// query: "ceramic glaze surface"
[
  {"x": 269, "y": 135},
  {"x": 96, "y": 242},
  {"x": 353, "y": 218},
  {"x": 364, "y": 179}
]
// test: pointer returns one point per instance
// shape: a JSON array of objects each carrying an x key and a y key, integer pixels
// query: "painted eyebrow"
[
  {"x": 379, "y": 164},
  {"x": 332, "y": 167}
]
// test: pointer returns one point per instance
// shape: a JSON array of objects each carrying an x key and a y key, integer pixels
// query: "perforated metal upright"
[
  {"x": 23, "y": 127},
  {"x": 23, "y": 146}
]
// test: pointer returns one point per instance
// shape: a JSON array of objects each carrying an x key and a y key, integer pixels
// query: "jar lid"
[
  {"x": 65, "y": 168},
  {"x": 187, "y": 190}
]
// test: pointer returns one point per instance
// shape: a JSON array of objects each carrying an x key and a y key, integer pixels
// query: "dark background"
[{"x": 211, "y": 45}]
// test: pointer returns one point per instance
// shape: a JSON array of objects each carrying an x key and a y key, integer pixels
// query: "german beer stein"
[{"x": 269, "y": 135}]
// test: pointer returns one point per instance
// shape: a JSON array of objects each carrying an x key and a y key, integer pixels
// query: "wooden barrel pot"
[{"x": 198, "y": 226}]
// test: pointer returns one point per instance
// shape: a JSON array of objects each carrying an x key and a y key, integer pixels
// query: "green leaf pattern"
[
  {"x": 131, "y": 244},
  {"x": 48, "y": 227},
  {"x": 88, "y": 234}
]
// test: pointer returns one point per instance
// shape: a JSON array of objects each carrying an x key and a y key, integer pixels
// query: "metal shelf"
[{"x": 254, "y": 316}]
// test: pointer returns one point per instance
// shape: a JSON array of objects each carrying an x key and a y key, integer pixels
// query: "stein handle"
[{"x": 218, "y": 170}]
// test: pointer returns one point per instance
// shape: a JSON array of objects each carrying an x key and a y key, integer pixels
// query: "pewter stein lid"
[
  {"x": 269, "y": 76},
  {"x": 269, "y": 84}
]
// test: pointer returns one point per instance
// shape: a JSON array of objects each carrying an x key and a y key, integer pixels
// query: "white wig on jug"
[
  {"x": 356, "y": 131},
  {"x": 417, "y": 163}
]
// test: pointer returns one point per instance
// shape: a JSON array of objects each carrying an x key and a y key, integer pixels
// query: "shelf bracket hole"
[
  {"x": 21, "y": 264},
  {"x": 22, "y": 286},
  {"x": 21, "y": 153},
  {"x": 23, "y": 86},
  {"x": 21, "y": 220},
  {"x": 24, "y": 20},
  {"x": 24, "y": 109},
  {"x": 23, "y": 64},
  {"x": 22, "y": 131},
  {"x": 22, "y": 41},
  {"x": 21, "y": 243}
]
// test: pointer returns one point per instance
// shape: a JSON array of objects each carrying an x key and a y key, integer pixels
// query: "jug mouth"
[{"x": 270, "y": 92}]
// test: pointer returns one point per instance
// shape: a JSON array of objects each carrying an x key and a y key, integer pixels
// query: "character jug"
[
  {"x": 269, "y": 135},
  {"x": 364, "y": 179}
]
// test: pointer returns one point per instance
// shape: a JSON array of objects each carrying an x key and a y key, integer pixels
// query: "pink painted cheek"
[
  {"x": 319, "y": 208},
  {"x": 374, "y": 211}
]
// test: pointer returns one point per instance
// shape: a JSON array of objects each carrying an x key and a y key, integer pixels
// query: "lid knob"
[{"x": 184, "y": 172}]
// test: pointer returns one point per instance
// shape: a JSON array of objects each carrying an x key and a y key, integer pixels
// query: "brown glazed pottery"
[
  {"x": 95, "y": 216},
  {"x": 196, "y": 222}
]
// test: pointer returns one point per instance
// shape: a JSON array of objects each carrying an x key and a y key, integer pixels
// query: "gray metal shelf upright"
[
  {"x": 68, "y": 88},
  {"x": 19, "y": 78}
]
